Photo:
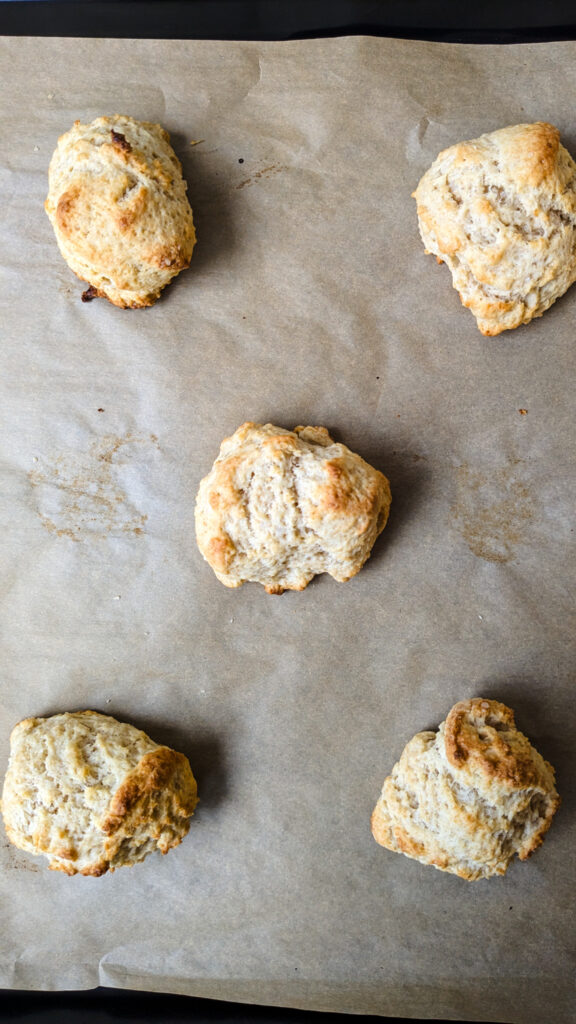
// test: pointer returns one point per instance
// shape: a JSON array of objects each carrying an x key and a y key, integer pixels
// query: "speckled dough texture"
[
  {"x": 469, "y": 797},
  {"x": 117, "y": 203},
  {"x": 93, "y": 794},
  {"x": 500, "y": 211},
  {"x": 281, "y": 506}
]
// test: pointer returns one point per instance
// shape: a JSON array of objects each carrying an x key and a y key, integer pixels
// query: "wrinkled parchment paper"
[{"x": 309, "y": 301}]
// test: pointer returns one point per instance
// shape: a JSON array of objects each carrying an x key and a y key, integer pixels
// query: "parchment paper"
[{"x": 309, "y": 300}]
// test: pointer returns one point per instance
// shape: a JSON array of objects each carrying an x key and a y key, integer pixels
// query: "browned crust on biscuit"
[
  {"x": 220, "y": 549},
  {"x": 398, "y": 840},
  {"x": 91, "y": 293},
  {"x": 315, "y": 435},
  {"x": 342, "y": 494},
  {"x": 380, "y": 827},
  {"x": 121, "y": 141},
  {"x": 164, "y": 773},
  {"x": 530, "y": 152},
  {"x": 68, "y": 869},
  {"x": 65, "y": 209},
  {"x": 553, "y": 803},
  {"x": 169, "y": 256},
  {"x": 484, "y": 733},
  {"x": 533, "y": 153}
]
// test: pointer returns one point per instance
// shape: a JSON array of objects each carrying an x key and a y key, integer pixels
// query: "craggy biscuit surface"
[
  {"x": 94, "y": 794},
  {"x": 280, "y": 506},
  {"x": 500, "y": 211},
  {"x": 469, "y": 797},
  {"x": 117, "y": 203}
]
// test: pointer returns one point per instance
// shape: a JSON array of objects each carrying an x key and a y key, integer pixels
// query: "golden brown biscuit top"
[{"x": 482, "y": 734}]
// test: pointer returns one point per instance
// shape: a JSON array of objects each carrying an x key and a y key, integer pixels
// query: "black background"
[
  {"x": 497, "y": 21},
  {"x": 494, "y": 21}
]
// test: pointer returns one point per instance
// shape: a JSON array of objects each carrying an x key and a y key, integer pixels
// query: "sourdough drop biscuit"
[
  {"x": 117, "y": 203},
  {"x": 280, "y": 506},
  {"x": 94, "y": 794},
  {"x": 468, "y": 798},
  {"x": 500, "y": 211}
]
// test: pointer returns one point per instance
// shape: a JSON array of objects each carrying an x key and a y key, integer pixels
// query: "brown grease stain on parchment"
[
  {"x": 265, "y": 172},
  {"x": 493, "y": 509},
  {"x": 80, "y": 495},
  {"x": 18, "y": 861}
]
